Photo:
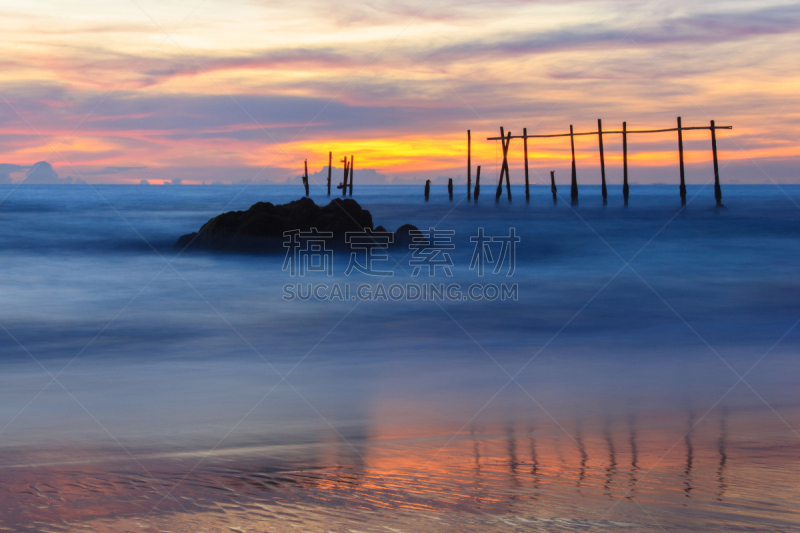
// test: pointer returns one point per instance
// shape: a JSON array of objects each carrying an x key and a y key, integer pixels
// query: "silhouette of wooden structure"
[
  {"x": 469, "y": 165},
  {"x": 505, "y": 139},
  {"x": 330, "y": 162},
  {"x": 305, "y": 176},
  {"x": 352, "y": 158},
  {"x": 343, "y": 185}
]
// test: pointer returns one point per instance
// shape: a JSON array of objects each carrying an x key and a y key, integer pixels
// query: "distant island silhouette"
[{"x": 261, "y": 228}]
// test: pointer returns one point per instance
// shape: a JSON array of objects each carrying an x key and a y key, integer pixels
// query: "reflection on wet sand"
[
  {"x": 687, "y": 471},
  {"x": 723, "y": 456},
  {"x": 634, "y": 451},
  {"x": 480, "y": 479}
]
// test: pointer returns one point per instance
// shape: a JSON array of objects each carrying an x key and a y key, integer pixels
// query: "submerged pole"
[
  {"x": 680, "y": 153},
  {"x": 553, "y": 186},
  {"x": 351, "y": 175},
  {"x": 330, "y": 162},
  {"x": 502, "y": 167},
  {"x": 625, "y": 162},
  {"x": 450, "y": 188},
  {"x": 305, "y": 176},
  {"x": 469, "y": 165},
  {"x": 574, "y": 191},
  {"x": 717, "y": 190},
  {"x": 344, "y": 180},
  {"x": 525, "y": 144},
  {"x": 602, "y": 161},
  {"x": 478, "y": 183},
  {"x": 505, "y": 157},
  {"x": 427, "y": 189}
]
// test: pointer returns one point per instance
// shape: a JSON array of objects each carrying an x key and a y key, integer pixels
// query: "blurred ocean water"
[{"x": 645, "y": 378}]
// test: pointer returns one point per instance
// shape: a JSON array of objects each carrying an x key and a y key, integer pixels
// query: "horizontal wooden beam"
[{"x": 612, "y": 132}]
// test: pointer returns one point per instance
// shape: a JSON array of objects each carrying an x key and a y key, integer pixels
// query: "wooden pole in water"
[
  {"x": 330, "y": 162},
  {"x": 351, "y": 175},
  {"x": 478, "y": 183},
  {"x": 344, "y": 181},
  {"x": 717, "y": 190},
  {"x": 553, "y": 185},
  {"x": 683, "y": 173},
  {"x": 625, "y": 162},
  {"x": 525, "y": 144},
  {"x": 503, "y": 166},
  {"x": 602, "y": 161},
  {"x": 574, "y": 191},
  {"x": 469, "y": 165},
  {"x": 450, "y": 188},
  {"x": 305, "y": 176},
  {"x": 505, "y": 156},
  {"x": 427, "y": 189}
]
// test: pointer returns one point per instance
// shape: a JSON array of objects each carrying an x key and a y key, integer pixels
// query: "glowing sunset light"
[{"x": 182, "y": 87}]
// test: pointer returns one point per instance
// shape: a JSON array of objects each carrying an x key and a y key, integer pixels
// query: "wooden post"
[
  {"x": 427, "y": 189},
  {"x": 330, "y": 162},
  {"x": 450, "y": 188},
  {"x": 683, "y": 173},
  {"x": 505, "y": 164},
  {"x": 625, "y": 162},
  {"x": 717, "y": 190},
  {"x": 305, "y": 176},
  {"x": 553, "y": 185},
  {"x": 344, "y": 182},
  {"x": 505, "y": 156},
  {"x": 602, "y": 161},
  {"x": 502, "y": 167},
  {"x": 574, "y": 192},
  {"x": 469, "y": 165},
  {"x": 525, "y": 144},
  {"x": 478, "y": 183},
  {"x": 506, "y": 140},
  {"x": 351, "y": 175}
]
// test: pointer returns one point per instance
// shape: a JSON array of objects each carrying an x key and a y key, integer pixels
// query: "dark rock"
[
  {"x": 403, "y": 236},
  {"x": 261, "y": 228}
]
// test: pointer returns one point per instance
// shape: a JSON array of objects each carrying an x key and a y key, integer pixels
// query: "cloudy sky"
[{"x": 204, "y": 90}]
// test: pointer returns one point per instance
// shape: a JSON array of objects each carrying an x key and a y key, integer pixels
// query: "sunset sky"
[{"x": 124, "y": 90}]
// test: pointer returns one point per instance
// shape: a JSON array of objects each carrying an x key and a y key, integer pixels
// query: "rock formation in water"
[{"x": 261, "y": 228}]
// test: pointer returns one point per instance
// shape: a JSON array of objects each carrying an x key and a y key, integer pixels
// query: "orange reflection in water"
[{"x": 423, "y": 473}]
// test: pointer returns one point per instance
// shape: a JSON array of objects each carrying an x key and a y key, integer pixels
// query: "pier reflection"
[{"x": 516, "y": 468}]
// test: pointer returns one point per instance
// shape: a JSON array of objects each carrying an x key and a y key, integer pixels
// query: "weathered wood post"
[
  {"x": 450, "y": 188},
  {"x": 717, "y": 190},
  {"x": 506, "y": 140},
  {"x": 625, "y": 162},
  {"x": 469, "y": 165},
  {"x": 574, "y": 191},
  {"x": 505, "y": 156},
  {"x": 344, "y": 181},
  {"x": 427, "y": 189},
  {"x": 351, "y": 175},
  {"x": 305, "y": 176},
  {"x": 602, "y": 162},
  {"x": 330, "y": 163},
  {"x": 478, "y": 183},
  {"x": 553, "y": 186},
  {"x": 680, "y": 154},
  {"x": 504, "y": 166},
  {"x": 525, "y": 144}
]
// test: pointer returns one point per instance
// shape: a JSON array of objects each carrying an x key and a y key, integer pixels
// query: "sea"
[{"x": 540, "y": 365}]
